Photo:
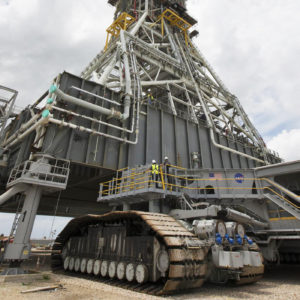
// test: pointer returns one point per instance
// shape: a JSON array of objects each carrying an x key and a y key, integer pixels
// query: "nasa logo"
[{"x": 239, "y": 178}]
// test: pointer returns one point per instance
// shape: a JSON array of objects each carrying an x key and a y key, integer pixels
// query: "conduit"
[
  {"x": 109, "y": 112},
  {"x": 22, "y": 129},
  {"x": 18, "y": 138},
  {"x": 241, "y": 217},
  {"x": 128, "y": 90},
  {"x": 96, "y": 96},
  {"x": 19, "y": 188},
  {"x": 210, "y": 125},
  {"x": 94, "y": 120},
  {"x": 88, "y": 130},
  {"x": 212, "y": 137}
]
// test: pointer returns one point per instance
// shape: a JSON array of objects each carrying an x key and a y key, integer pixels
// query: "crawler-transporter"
[{"x": 220, "y": 208}]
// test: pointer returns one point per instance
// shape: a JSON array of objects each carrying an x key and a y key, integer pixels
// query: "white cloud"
[
  {"x": 40, "y": 39},
  {"x": 41, "y": 228},
  {"x": 287, "y": 144},
  {"x": 254, "y": 46}
]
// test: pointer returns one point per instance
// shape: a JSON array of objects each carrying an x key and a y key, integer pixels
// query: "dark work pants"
[{"x": 155, "y": 177}]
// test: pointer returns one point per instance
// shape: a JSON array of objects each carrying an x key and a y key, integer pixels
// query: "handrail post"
[
  {"x": 134, "y": 180},
  {"x": 162, "y": 178},
  {"x": 186, "y": 179},
  {"x": 101, "y": 190}
]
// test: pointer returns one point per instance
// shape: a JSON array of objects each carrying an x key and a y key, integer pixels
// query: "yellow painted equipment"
[{"x": 121, "y": 23}]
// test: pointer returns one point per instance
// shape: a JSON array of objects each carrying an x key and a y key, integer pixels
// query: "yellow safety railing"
[
  {"x": 121, "y": 23},
  {"x": 175, "y": 20},
  {"x": 140, "y": 180}
]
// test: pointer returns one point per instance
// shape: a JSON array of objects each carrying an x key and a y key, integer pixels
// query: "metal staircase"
[
  {"x": 186, "y": 202},
  {"x": 282, "y": 197},
  {"x": 290, "y": 208}
]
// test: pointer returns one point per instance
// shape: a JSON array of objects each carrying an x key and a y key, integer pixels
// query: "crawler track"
[{"x": 187, "y": 254}]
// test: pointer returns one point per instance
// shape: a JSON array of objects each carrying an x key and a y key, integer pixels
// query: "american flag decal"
[{"x": 215, "y": 175}]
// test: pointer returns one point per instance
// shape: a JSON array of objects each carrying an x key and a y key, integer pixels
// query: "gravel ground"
[{"x": 279, "y": 283}]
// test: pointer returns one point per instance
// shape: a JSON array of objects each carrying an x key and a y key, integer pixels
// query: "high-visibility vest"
[
  {"x": 154, "y": 169},
  {"x": 150, "y": 96}
]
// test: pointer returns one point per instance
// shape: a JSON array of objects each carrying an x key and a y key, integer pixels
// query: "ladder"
[
  {"x": 17, "y": 217},
  {"x": 294, "y": 211}
]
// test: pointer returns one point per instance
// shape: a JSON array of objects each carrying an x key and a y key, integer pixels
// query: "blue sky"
[{"x": 253, "y": 45}]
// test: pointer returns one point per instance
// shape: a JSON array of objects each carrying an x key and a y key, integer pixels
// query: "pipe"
[
  {"x": 19, "y": 188},
  {"x": 166, "y": 68},
  {"x": 85, "y": 104},
  {"x": 134, "y": 10},
  {"x": 92, "y": 119},
  {"x": 283, "y": 189},
  {"x": 128, "y": 91},
  {"x": 137, "y": 26},
  {"x": 28, "y": 131},
  {"x": 139, "y": 88},
  {"x": 278, "y": 237},
  {"x": 22, "y": 128},
  {"x": 173, "y": 46},
  {"x": 160, "y": 82},
  {"x": 160, "y": 45},
  {"x": 98, "y": 61},
  {"x": 37, "y": 102},
  {"x": 108, "y": 70},
  {"x": 210, "y": 125},
  {"x": 96, "y": 96},
  {"x": 232, "y": 120},
  {"x": 212, "y": 137},
  {"x": 235, "y": 102},
  {"x": 237, "y": 216},
  {"x": 88, "y": 130},
  {"x": 120, "y": 66}
]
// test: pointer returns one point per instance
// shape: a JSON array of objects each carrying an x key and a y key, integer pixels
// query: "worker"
[
  {"x": 155, "y": 172},
  {"x": 166, "y": 169},
  {"x": 150, "y": 97}
]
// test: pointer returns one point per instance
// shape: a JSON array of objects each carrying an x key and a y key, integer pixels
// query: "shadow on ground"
[{"x": 274, "y": 278}]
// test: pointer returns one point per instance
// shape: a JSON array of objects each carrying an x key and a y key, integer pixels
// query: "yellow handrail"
[
  {"x": 162, "y": 178},
  {"x": 121, "y": 23},
  {"x": 138, "y": 182}
]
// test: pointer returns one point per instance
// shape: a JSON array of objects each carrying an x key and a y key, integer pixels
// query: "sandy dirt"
[{"x": 279, "y": 283}]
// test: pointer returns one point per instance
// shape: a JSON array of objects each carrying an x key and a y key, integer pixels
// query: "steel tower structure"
[
  {"x": 168, "y": 63},
  {"x": 150, "y": 93}
]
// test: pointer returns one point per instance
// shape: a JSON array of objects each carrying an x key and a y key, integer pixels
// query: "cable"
[{"x": 54, "y": 216}]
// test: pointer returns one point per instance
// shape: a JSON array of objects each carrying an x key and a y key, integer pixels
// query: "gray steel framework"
[
  {"x": 7, "y": 102},
  {"x": 148, "y": 94}
]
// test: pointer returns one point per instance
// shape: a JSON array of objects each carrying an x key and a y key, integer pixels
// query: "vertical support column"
[
  {"x": 108, "y": 69},
  {"x": 126, "y": 206},
  {"x": 165, "y": 209},
  {"x": 154, "y": 206},
  {"x": 20, "y": 248}
]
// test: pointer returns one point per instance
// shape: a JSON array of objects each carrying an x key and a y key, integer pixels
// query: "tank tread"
[
  {"x": 250, "y": 275},
  {"x": 187, "y": 254}
]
